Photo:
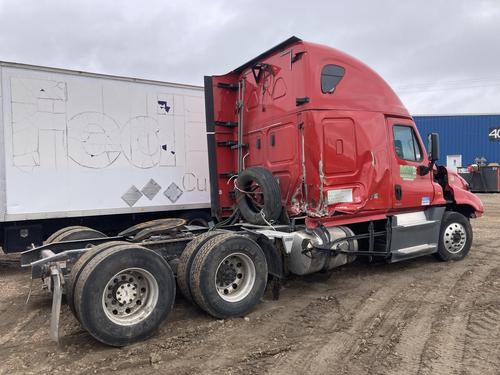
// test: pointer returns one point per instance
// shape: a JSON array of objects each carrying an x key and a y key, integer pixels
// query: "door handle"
[{"x": 398, "y": 191}]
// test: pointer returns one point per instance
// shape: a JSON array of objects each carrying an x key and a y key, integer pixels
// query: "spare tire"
[{"x": 257, "y": 194}]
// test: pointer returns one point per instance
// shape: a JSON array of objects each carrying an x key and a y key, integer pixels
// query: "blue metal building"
[{"x": 463, "y": 137}]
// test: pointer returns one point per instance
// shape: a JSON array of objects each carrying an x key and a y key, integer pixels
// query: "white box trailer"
[{"x": 86, "y": 148}]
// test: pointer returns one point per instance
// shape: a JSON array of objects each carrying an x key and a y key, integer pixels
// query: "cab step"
[
  {"x": 415, "y": 234},
  {"x": 412, "y": 220},
  {"x": 413, "y": 252}
]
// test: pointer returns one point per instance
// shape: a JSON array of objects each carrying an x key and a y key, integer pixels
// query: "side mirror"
[
  {"x": 423, "y": 170},
  {"x": 433, "y": 147}
]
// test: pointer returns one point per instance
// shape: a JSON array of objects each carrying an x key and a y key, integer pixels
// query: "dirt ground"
[{"x": 414, "y": 317}]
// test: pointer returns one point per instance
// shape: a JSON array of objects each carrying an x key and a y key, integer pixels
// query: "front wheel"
[{"x": 455, "y": 238}]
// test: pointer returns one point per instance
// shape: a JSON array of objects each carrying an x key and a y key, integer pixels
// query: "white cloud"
[{"x": 408, "y": 43}]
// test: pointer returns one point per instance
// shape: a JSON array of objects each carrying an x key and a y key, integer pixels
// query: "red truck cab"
[{"x": 338, "y": 139}]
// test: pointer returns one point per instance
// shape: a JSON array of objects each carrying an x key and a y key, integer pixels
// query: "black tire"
[
  {"x": 455, "y": 237},
  {"x": 201, "y": 218},
  {"x": 204, "y": 276},
  {"x": 57, "y": 233},
  {"x": 73, "y": 233},
  {"x": 186, "y": 260},
  {"x": 270, "y": 202},
  {"x": 106, "y": 269},
  {"x": 77, "y": 268}
]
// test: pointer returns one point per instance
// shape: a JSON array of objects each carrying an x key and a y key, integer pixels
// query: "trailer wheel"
[
  {"x": 455, "y": 238},
  {"x": 186, "y": 260},
  {"x": 258, "y": 192},
  {"x": 72, "y": 233},
  {"x": 124, "y": 293},
  {"x": 57, "y": 233},
  {"x": 228, "y": 276},
  {"x": 77, "y": 268},
  {"x": 201, "y": 218}
]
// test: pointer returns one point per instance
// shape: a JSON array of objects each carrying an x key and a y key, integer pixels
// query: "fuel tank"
[{"x": 304, "y": 259}]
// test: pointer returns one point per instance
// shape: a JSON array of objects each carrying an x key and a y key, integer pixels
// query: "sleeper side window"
[
  {"x": 406, "y": 143},
  {"x": 331, "y": 75}
]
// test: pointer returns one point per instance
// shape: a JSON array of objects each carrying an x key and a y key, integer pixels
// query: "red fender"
[{"x": 461, "y": 193}]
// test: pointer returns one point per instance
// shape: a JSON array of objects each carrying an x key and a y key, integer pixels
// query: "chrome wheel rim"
[
  {"x": 235, "y": 277},
  {"x": 130, "y": 296},
  {"x": 455, "y": 237}
]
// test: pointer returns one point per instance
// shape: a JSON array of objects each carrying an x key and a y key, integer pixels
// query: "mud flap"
[{"x": 56, "y": 279}]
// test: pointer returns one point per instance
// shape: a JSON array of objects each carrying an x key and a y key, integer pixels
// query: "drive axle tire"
[
  {"x": 455, "y": 237},
  {"x": 228, "y": 276},
  {"x": 73, "y": 233},
  {"x": 258, "y": 190},
  {"x": 77, "y": 268},
  {"x": 186, "y": 260},
  {"x": 124, "y": 293}
]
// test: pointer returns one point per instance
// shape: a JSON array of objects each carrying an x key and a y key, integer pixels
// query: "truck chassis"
[{"x": 224, "y": 270}]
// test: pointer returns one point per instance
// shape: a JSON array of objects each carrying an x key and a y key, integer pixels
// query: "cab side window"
[
  {"x": 406, "y": 143},
  {"x": 331, "y": 75}
]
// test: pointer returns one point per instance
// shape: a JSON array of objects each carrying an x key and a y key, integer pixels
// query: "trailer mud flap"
[{"x": 56, "y": 279}]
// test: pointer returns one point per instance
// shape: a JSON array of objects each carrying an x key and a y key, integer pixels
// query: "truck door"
[{"x": 410, "y": 188}]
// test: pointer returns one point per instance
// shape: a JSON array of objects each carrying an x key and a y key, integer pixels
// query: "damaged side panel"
[{"x": 349, "y": 170}]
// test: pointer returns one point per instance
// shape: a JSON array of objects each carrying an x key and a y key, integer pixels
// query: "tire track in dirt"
[
  {"x": 315, "y": 354},
  {"x": 370, "y": 339},
  {"x": 278, "y": 330},
  {"x": 443, "y": 349},
  {"x": 302, "y": 352},
  {"x": 481, "y": 352},
  {"x": 371, "y": 344},
  {"x": 415, "y": 309},
  {"x": 321, "y": 317},
  {"x": 443, "y": 341},
  {"x": 430, "y": 296}
]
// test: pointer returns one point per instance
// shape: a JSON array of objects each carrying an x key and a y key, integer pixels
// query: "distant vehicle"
[
  {"x": 91, "y": 149},
  {"x": 481, "y": 176},
  {"x": 313, "y": 162}
]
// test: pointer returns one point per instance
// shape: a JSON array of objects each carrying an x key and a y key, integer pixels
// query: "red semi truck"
[{"x": 314, "y": 161}]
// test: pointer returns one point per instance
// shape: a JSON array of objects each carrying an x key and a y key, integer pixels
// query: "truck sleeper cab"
[
  {"x": 339, "y": 142},
  {"x": 313, "y": 162}
]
